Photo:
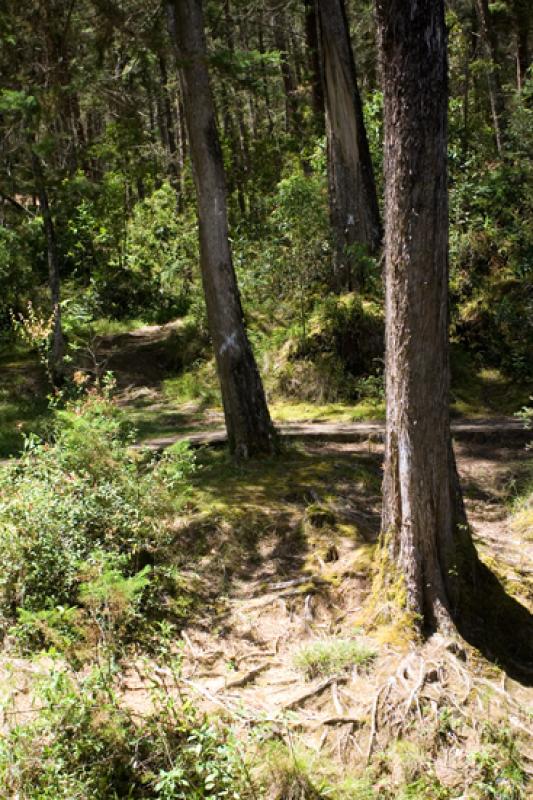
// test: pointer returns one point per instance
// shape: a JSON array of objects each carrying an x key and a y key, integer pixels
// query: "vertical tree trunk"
[
  {"x": 522, "y": 22},
  {"x": 170, "y": 135},
  {"x": 497, "y": 106},
  {"x": 314, "y": 68},
  {"x": 57, "y": 350},
  {"x": 353, "y": 199},
  {"x": 248, "y": 422},
  {"x": 292, "y": 119},
  {"x": 422, "y": 506}
]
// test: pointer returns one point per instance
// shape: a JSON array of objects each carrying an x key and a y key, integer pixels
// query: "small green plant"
[
  {"x": 331, "y": 656},
  {"x": 499, "y": 771}
]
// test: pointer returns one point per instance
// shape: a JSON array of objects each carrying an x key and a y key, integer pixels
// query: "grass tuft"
[{"x": 330, "y": 656}]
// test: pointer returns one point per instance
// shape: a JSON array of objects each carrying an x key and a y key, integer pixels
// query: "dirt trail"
[{"x": 499, "y": 427}]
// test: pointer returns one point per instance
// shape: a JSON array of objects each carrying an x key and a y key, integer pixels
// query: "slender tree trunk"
[
  {"x": 248, "y": 422},
  {"x": 497, "y": 105},
  {"x": 353, "y": 199},
  {"x": 264, "y": 78},
  {"x": 57, "y": 350},
  {"x": 292, "y": 118},
  {"x": 522, "y": 22},
  {"x": 423, "y": 517},
  {"x": 170, "y": 135}
]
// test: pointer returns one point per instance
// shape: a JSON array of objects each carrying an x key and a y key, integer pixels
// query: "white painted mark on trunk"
[{"x": 229, "y": 343}]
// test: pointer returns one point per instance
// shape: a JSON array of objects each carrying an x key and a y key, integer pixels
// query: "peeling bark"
[{"x": 353, "y": 199}]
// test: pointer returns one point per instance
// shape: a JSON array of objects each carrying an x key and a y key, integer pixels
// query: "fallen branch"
[
  {"x": 247, "y": 677},
  {"x": 314, "y": 691}
]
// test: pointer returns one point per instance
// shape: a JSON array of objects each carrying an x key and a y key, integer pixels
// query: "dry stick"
[
  {"x": 374, "y": 717},
  {"x": 417, "y": 687},
  {"x": 342, "y": 720},
  {"x": 190, "y": 645},
  {"x": 336, "y": 701}
]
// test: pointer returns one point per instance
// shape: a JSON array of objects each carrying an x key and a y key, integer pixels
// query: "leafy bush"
[{"x": 82, "y": 514}]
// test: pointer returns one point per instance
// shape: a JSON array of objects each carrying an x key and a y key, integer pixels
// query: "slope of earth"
[
  {"x": 326, "y": 694},
  {"x": 325, "y": 697}
]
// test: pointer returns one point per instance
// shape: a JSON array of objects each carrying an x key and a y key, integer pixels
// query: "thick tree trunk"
[
  {"x": 57, "y": 349},
  {"x": 248, "y": 422},
  {"x": 353, "y": 199},
  {"x": 497, "y": 105},
  {"x": 423, "y": 518}
]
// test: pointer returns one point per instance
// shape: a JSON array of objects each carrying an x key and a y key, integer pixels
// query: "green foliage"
[
  {"x": 162, "y": 254},
  {"x": 339, "y": 359},
  {"x": 290, "y": 258},
  {"x": 80, "y": 513},
  {"x": 499, "y": 771},
  {"x": 84, "y": 744},
  {"x": 491, "y": 251},
  {"x": 332, "y": 656}
]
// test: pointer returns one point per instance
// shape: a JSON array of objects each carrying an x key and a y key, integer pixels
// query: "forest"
[{"x": 266, "y": 400}]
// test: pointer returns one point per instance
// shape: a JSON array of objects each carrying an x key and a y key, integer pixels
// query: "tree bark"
[
  {"x": 57, "y": 349},
  {"x": 353, "y": 199},
  {"x": 248, "y": 423},
  {"x": 423, "y": 520}
]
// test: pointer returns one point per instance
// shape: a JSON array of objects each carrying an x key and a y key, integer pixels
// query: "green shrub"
[{"x": 83, "y": 507}]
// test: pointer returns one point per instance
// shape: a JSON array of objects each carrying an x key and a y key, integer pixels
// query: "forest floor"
[
  {"x": 277, "y": 560},
  {"x": 283, "y": 647}
]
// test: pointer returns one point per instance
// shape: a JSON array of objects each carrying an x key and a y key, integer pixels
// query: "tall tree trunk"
[
  {"x": 57, "y": 349},
  {"x": 353, "y": 199},
  {"x": 314, "y": 68},
  {"x": 497, "y": 105},
  {"x": 423, "y": 518},
  {"x": 248, "y": 422},
  {"x": 292, "y": 117},
  {"x": 522, "y": 21}
]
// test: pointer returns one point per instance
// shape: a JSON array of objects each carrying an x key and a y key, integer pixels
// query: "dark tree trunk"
[
  {"x": 57, "y": 349},
  {"x": 353, "y": 199},
  {"x": 315, "y": 69},
  {"x": 423, "y": 517},
  {"x": 248, "y": 422},
  {"x": 170, "y": 135},
  {"x": 522, "y": 22},
  {"x": 497, "y": 105},
  {"x": 292, "y": 118}
]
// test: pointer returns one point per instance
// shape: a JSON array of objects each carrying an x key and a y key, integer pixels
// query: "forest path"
[{"x": 464, "y": 429}]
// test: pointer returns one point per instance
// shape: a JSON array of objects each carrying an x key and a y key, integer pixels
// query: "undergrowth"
[
  {"x": 84, "y": 743},
  {"x": 83, "y": 537}
]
